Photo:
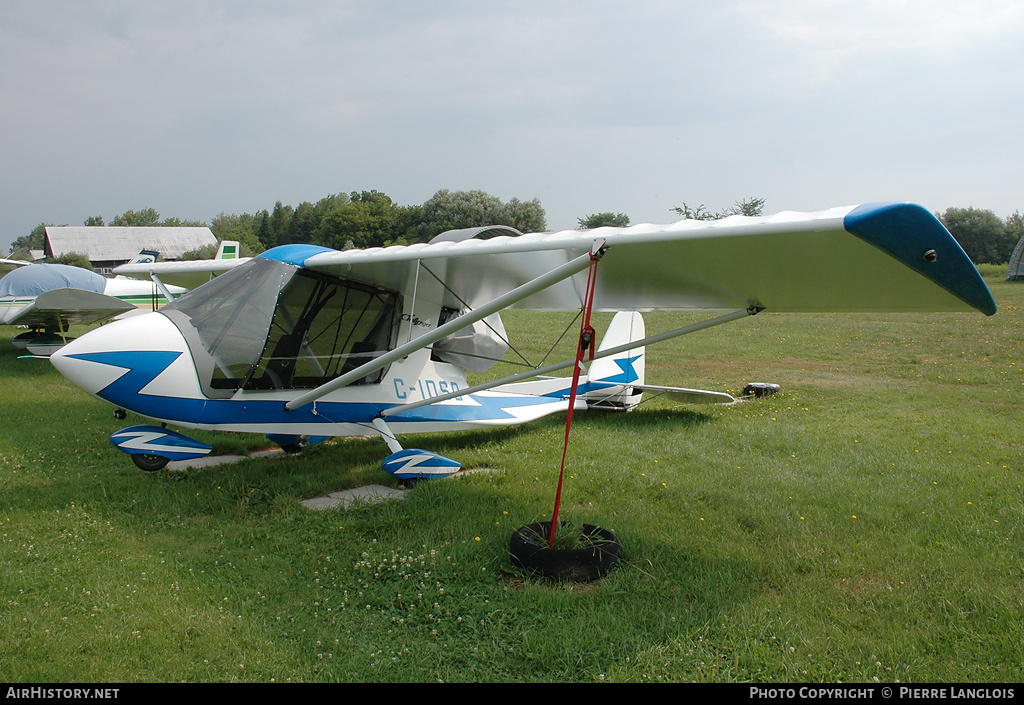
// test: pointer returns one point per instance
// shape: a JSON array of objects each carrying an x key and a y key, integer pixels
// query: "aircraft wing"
[
  {"x": 876, "y": 257},
  {"x": 186, "y": 273},
  {"x": 64, "y": 307},
  {"x": 6, "y": 265}
]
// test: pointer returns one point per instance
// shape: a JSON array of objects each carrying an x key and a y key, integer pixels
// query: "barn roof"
[{"x": 112, "y": 243}]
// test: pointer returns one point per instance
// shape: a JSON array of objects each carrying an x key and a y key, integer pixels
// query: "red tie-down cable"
[{"x": 586, "y": 343}]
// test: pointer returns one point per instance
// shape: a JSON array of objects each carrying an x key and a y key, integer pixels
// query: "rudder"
[{"x": 610, "y": 379}]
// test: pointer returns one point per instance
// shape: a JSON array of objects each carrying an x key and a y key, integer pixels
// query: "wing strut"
[
  {"x": 162, "y": 287},
  {"x": 540, "y": 371},
  {"x": 518, "y": 294}
]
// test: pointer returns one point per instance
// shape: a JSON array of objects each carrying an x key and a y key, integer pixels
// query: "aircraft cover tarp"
[
  {"x": 1015, "y": 270},
  {"x": 39, "y": 278}
]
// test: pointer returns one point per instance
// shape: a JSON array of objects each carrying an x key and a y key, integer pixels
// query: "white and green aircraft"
[
  {"x": 304, "y": 343},
  {"x": 49, "y": 298}
]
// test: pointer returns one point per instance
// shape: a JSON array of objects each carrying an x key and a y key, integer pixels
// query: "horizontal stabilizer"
[
  {"x": 43, "y": 344},
  {"x": 6, "y": 265},
  {"x": 687, "y": 396}
]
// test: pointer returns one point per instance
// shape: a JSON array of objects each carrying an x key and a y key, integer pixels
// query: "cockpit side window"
[
  {"x": 323, "y": 327},
  {"x": 226, "y": 320}
]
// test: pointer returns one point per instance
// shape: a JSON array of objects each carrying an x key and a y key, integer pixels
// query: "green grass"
[{"x": 865, "y": 523}]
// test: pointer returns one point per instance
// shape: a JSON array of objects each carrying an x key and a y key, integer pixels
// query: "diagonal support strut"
[
  {"x": 518, "y": 294},
  {"x": 540, "y": 371}
]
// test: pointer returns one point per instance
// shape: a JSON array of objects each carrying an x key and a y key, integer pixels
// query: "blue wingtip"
[{"x": 909, "y": 233}]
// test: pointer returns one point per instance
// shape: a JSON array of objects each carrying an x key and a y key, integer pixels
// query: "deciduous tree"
[
  {"x": 75, "y": 259},
  {"x": 599, "y": 220},
  {"x": 147, "y": 217},
  {"x": 368, "y": 219},
  {"x": 981, "y": 233},
  {"x": 452, "y": 210},
  {"x": 748, "y": 206}
]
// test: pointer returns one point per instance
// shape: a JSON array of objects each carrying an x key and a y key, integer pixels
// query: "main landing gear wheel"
[{"x": 149, "y": 462}]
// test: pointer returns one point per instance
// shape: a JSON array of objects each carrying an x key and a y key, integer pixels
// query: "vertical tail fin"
[
  {"x": 145, "y": 257},
  {"x": 610, "y": 379},
  {"x": 228, "y": 250}
]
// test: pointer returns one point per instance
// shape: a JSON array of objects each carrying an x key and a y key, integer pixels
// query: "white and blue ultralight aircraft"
[{"x": 304, "y": 343}]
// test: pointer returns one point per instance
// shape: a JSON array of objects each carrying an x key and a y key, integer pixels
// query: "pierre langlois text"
[{"x": 884, "y": 693}]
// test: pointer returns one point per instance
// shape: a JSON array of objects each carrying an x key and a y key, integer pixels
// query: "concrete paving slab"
[
  {"x": 211, "y": 460},
  {"x": 369, "y": 494},
  {"x": 474, "y": 471}
]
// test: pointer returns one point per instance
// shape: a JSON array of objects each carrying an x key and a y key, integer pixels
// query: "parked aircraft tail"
[
  {"x": 145, "y": 257},
  {"x": 617, "y": 382},
  {"x": 613, "y": 381},
  {"x": 228, "y": 250}
]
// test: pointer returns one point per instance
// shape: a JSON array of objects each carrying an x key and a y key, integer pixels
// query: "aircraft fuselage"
[{"x": 231, "y": 354}]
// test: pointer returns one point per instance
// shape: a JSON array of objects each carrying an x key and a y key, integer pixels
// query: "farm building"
[
  {"x": 108, "y": 246},
  {"x": 1015, "y": 270}
]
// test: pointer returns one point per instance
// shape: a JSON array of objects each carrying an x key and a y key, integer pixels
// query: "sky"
[{"x": 200, "y": 108}]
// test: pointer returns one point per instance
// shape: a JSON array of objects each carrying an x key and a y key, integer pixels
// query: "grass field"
[{"x": 864, "y": 524}]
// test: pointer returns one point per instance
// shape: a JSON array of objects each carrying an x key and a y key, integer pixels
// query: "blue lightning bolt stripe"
[
  {"x": 158, "y": 441},
  {"x": 628, "y": 375},
  {"x": 142, "y": 367}
]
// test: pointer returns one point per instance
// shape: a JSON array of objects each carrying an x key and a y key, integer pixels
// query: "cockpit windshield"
[
  {"x": 272, "y": 325},
  {"x": 232, "y": 314},
  {"x": 324, "y": 327}
]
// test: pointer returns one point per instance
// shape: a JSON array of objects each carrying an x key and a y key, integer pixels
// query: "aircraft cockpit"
[{"x": 273, "y": 325}]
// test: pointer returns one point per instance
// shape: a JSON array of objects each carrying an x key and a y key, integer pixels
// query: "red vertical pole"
[{"x": 586, "y": 341}]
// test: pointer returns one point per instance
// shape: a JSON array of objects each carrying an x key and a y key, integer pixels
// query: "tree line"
[
  {"x": 363, "y": 219},
  {"x": 341, "y": 221},
  {"x": 984, "y": 236}
]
